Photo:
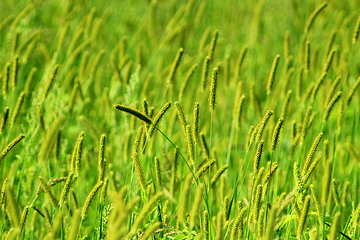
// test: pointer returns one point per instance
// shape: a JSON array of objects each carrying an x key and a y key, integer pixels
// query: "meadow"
[{"x": 155, "y": 119}]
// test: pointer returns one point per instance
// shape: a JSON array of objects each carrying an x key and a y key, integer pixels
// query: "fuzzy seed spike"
[
  {"x": 158, "y": 117},
  {"x": 10, "y": 146},
  {"x": 276, "y": 134},
  {"x": 50, "y": 81},
  {"x": 187, "y": 78},
  {"x": 313, "y": 15},
  {"x": 213, "y": 45},
  {"x": 330, "y": 105},
  {"x": 356, "y": 31},
  {"x": 303, "y": 217},
  {"x": 175, "y": 66},
  {"x": 352, "y": 91},
  {"x": 272, "y": 74},
  {"x": 133, "y": 112},
  {"x": 212, "y": 99},
  {"x": 89, "y": 199}
]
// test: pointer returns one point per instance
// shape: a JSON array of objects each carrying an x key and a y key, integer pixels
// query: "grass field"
[{"x": 179, "y": 119}]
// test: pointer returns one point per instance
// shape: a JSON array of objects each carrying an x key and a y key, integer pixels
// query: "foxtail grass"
[
  {"x": 73, "y": 98},
  {"x": 259, "y": 151},
  {"x": 74, "y": 226},
  {"x": 104, "y": 190},
  {"x": 145, "y": 211},
  {"x": 175, "y": 66},
  {"x": 335, "y": 227},
  {"x": 18, "y": 106},
  {"x": 6, "y": 79},
  {"x": 262, "y": 125},
  {"x": 335, "y": 191},
  {"x": 313, "y": 16},
  {"x": 305, "y": 124},
  {"x": 6, "y": 21},
  {"x": 276, "y": 134},
  {"x": 47, "y": 215},
  {"x": 330, "y": 106},
  {"x": 299, "y": 80},
  {"x": 257, "y": 205},
  {"x": 101, "y": 158},
  {"x": 352, "y": 91},
  {"x": 190, "y": 142},
  {"x": 330, "y": 43},
  {"x": 217, "y": 175},
  {"x": 235, "y": 231},
  {"x": 79, "y": 147},
  {"x": 303, "y": 217},
  {"x": 174, "y": 172},
  {"x": 240, "y": 60},
  {"x": 311, "y": 153},
  {"x": 158, "y": 178},
  {"x": 332, "y": 89},
  {"x": 239, "y": 111},
  {"x": 181, "y": 116},
  {"x": 317, "y": 85},
  {"x": 150, "y": 231},
  {"x": 3, "y": 195},
  {"x": 137, "y": 140},
  {"x": 307, "y": 56},
  {"x": 15, "y": 71},
  {"x": 204, "y": 168},
  {"x": 4, "y": 119},
  {"x": 10, "y": 146},
  {"x": 187, "y": 78},
  {"x": 139, "y": 171},
  {"x": 285, "y": 106},
  {"x": 158, "y": 117},
  {"x": 49, "y": 193},
  {"x": 248, "y": 138},
  {"x": 344, "y": 194},
  {"x": 329, "y": 61},
  {"x": 50, "y": 82},
  {"x": 66, "y": 189},
  {"x": 356, "y": 31},
  {"x": 196, "y": 122},
  {"x": 83, "y": 64},
  {"x": 204, "y": 145},
  {"x": 90, "y": 198},
  {"x": 134, "y": 112},
  {"x": 213, "y": 45},
  {"x": 311, "y": 169},
  {"x": 272, "y": 74},
  {"x": 298, "y": 180},
  {"x": 326, "y": 183},
  {"x": 213, "y": 87}
]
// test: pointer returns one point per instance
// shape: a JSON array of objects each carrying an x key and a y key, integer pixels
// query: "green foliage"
[{"x": 70, "y": 69}]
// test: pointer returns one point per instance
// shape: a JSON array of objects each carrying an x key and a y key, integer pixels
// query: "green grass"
[{"x": 77, "y": 60}]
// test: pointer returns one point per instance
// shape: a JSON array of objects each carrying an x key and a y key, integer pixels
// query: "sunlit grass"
[{"x": 262, "y": 140}]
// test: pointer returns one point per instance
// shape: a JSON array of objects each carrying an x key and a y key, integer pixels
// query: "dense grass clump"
[{"x": 179, "y": 119}]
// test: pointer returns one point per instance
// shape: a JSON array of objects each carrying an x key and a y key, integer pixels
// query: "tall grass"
[{"x": 262, "y": 142}]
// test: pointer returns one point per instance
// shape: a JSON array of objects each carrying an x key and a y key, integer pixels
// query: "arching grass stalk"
[
  {"x": 207, "y": 192},
  {"x": 182, "y": 156},
  {"x": 193, "y": 171}
]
